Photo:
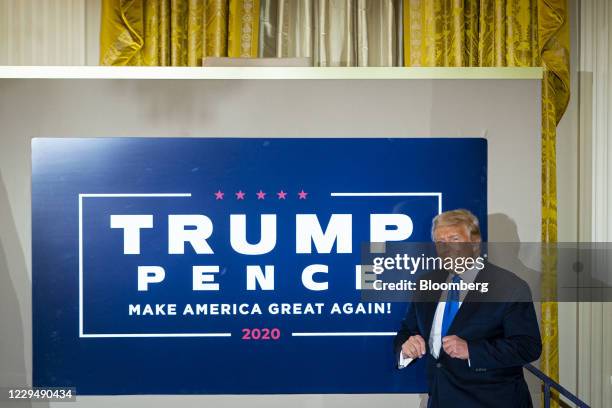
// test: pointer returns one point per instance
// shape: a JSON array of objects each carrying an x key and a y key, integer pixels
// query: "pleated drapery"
[
  {"x": 452, "y": 33},
  {"x": 181, "y": 32},
  {"x": 332, "y": 32},
  {"x": 471, "y": 33},
  {"x": 177, "y": 32}
]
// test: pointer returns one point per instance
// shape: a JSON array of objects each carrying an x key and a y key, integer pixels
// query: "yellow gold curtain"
[
  {"x": 177, "y": 32},
  {"x": 519, "y": 33}
]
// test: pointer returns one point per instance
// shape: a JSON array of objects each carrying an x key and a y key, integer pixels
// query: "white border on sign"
[{"x": 82, "y": 334}]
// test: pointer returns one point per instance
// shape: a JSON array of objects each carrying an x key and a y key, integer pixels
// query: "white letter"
[
  {"x": 149, "y": 274},
  {"x": 200, "y": 276},
  {"x": 131, "y": 225},
  {"x": 380, "y": 222},
  {"x": 309, "y": 272},
  {"x": 362, "y": 275},
  {"x": 255, "y": 274},
  {"x": 178, "y": 235},
  {"x": 134, "y": 309},
  {"x": 339, "y": 229},
  {"x": 238, "y": 235}
]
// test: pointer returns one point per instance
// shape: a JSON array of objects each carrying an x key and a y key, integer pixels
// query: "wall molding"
[{"x": 595, "y": 195}]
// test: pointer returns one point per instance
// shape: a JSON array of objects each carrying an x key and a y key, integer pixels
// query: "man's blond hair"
[{"x": 457, "y": 217}]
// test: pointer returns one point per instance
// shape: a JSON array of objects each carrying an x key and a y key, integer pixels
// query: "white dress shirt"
[{"x": 435, "y": 335}]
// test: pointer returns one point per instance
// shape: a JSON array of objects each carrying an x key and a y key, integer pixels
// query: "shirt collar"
[{"x": 468, "y": 276}]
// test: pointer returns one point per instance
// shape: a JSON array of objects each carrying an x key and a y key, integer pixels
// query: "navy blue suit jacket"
[{"x": 502, "y": 333}]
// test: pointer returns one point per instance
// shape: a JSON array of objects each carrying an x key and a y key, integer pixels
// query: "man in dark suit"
[{"x": 475, "y": 342}]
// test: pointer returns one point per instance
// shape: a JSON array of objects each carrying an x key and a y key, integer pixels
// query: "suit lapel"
[{"x": 429, "y": 311}]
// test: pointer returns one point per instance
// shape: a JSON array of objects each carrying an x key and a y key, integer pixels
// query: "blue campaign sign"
[{"x": 230, "y": 265}]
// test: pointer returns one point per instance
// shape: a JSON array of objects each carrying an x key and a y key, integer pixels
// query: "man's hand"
[
  {"x": 456, "y": 347},
  {"x": 414, "y": 347}
]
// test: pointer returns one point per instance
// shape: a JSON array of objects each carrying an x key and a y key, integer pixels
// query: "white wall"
[
  {"x": 584, "y": 147},
  {"x": 49, "y": 32},
  {"x": 249, "y": 108},
  {"x": 594, "y": 340}
]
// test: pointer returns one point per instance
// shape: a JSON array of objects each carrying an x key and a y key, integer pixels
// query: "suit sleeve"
[
  {"x": 408, "y": 328},
  {"x": 521, "y": 342}
]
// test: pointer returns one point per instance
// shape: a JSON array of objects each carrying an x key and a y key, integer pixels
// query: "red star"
[
  {"x": 281, "y": 195},
  {"x": 261, "y": 195},
  {"x": 219, "y": 195},
  {"x": 240, "y": 195},
  {"x": 302, "y": 194}
]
